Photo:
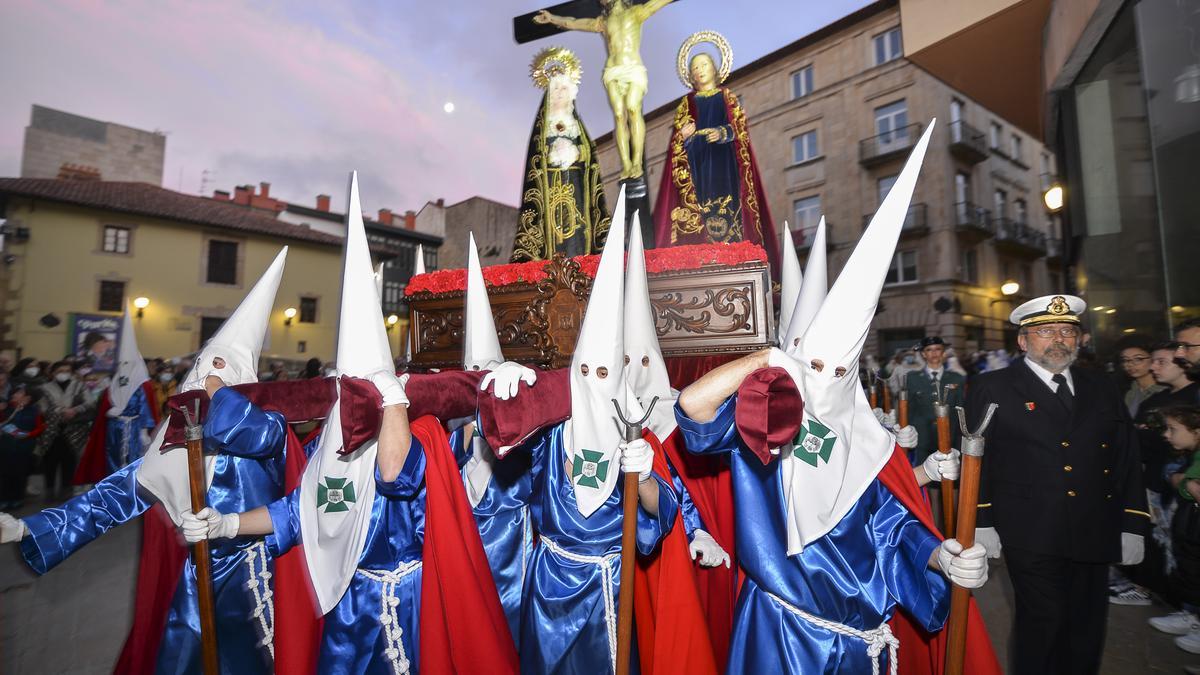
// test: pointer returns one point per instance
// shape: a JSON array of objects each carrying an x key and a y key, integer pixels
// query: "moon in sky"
[{"x": 448, "y": 107}]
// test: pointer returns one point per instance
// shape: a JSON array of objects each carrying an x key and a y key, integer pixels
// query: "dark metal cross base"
[{"x": 637, "y": 198}]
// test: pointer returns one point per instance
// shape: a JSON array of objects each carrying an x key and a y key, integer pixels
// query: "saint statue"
[
  {"x": 711, "y": 190},
  {"x": 620, "y": 24},
  {"x": 562, "y": 198}
]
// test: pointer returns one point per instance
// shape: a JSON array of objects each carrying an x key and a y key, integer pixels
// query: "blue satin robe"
[
  {"x": 875, "y": 559},
  {"x": 122, "y": 434},
  {"x": 563, "y": 625},
  {"x": 353, "y": 641},
  {"x": 249, "y": 473},
  {"x": 504, "y": 526}
]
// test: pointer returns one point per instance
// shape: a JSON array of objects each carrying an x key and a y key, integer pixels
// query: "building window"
[
  {"x": 887, "y": 46},
  {"x": 956, "y": 110},
  {"x": 1015, "y": 148},
  {"x": 1000, "y": 204},
  {"x": 962, "y": 187},
  {"x": 431, "y": 263},
  {"x": 116, "y": 239},
  {"x": 804, "y": 147},
  {"x": 222, "y": 262},
  {"x": 1020, "y": 211},
  {"x": 994, "y": 134},
  {"x": 112, "y": 296},
  {"x": 971, "y": 266},
  {"x": 308, "y": 310},
  {"x": 903, "y": 269},
  {"x": 891, "y": 122},
  {"x": 1045, "y": 166},
  {"x": 393, "y": 295},
  {"x": 807, "y": 215},
  {"x": 885, "y": 185},
  {"x": 209, "y": 325},
  {"x": 802, "y": 82}
]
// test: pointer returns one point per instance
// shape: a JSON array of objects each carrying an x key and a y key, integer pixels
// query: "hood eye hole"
[
  {"x": 795, "y": 342},
  {"x": 218, "y": 362},
  {"x": 474, "y": 367},
  {"x": 817, "y": 365},
  {"x": 839, "y": 371},
  {"x": 626, "y": 359},
  {"x": 602, "y": 372},
  {"x": 583, "y": 369},
  {"x": 645, "y": 361}
]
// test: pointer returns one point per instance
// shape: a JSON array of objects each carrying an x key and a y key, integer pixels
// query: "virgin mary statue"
[
  {"x": 711, "y": 190},
  {"x": 562, "y": 198}
]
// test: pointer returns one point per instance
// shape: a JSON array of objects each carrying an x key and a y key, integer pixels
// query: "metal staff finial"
[
  {"x": 972, "y": 442},
  {"x": 193, "y": 430},
  {"x": 631, "y": 427}
]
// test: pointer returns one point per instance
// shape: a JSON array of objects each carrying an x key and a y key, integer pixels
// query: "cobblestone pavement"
[{"x": 74, "y": 620}]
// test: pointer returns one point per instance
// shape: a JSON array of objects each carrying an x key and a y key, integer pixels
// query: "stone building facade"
[{"x": 64, "y": 145}]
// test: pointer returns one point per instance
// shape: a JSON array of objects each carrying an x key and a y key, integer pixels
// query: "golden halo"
[
  {"x": 553, "y": 61},
  {"x": 714, "y": 38}
]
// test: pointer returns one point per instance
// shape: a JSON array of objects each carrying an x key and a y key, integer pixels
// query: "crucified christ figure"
[{"x": 620, "y": 24}]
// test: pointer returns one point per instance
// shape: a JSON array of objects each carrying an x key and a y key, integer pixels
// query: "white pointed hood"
[
  {"x": 812, "y": 292},
  {"x": 841, "y": 447},
  {"x": 131, "y": 371},
  {"x": 239, "y": 341},
  {"x": 339, "y": 489},
  {"x": 481, "y": 345},
  {"x": 645, "y": 370},
  {"x": 598, "y": 377},
  {"x": 789, "y": 284}
]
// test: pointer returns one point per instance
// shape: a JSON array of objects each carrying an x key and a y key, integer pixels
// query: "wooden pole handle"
[
  {"x": 902, "y": 410},
  {"x": 625, "y": 596},
  {"x": 887, "y": 398},
  {"x": 960, "y": 597},
  {"x": 947, "y": 486},
  {"x": 203, "y": 561}
]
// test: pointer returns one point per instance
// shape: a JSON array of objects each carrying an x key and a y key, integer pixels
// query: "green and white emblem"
[
  {"x": 814, "y": 443},
  {"x": 589, "y": 469},
  {"x": 335, "y": 495}
]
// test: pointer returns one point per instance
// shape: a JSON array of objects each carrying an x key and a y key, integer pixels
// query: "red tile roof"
[{"x": 143, "y": 199}]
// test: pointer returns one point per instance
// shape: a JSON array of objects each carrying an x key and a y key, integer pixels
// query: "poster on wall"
[{"x": 93, "y": 338}]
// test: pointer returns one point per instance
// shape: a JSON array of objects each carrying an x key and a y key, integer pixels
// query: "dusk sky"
[{"x": 298, "y": 93}]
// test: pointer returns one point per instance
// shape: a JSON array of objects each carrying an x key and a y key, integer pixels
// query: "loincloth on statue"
[{"x": 626, "y": 74}]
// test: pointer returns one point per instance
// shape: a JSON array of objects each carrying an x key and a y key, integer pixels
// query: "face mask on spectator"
[
  {"x": 166, "y": 377},
  {"x": 31, "y": 372},
  {"x": 91, "y": 384},
  {"x": 62, "y": 378}
]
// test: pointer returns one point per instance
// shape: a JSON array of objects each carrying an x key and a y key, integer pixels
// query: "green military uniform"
[{"x": 921, "y": 397}]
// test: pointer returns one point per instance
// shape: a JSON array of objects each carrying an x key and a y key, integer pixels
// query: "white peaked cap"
[
  {"x": 841, "y": 446},
  {"x": 419, "y": 266},
  {"x": 240, "y": 339},
  {"x": 362, "y": 343},
  {"x": 379, "y": 280},
  {"x": 481, "y": 345},
  {"x": 595, "y": 429},
  {"x": 812, "y": 292},
  {"x": 131, "y": 369},
  {"x": 789, "y": 284},
  {"x": 641, "y": 342}
]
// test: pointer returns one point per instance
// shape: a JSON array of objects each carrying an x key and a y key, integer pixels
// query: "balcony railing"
[
  {"x": 888, "y": 145},
  {"x": 1019, "y": 237},
  {"x": 916, "y": 221},
  {"x": 967, "y": 143},
  {"x": 973, "y": 219}
]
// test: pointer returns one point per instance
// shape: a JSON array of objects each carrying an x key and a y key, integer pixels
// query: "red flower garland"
[{"x": 658, "y": 260}]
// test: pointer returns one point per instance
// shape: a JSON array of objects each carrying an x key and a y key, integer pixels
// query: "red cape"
[
  {"x": 93, "y": 463},
  {"x": 677, "y": 208},
  {"x": 672, "y": 636}
]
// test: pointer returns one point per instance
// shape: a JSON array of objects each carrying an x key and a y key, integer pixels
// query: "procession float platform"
[{"x": 709, "y": 300}]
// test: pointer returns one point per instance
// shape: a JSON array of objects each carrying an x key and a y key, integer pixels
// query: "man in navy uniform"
[
  {"x": 1061, "y": 489},
  {"x": 922, "y": 386}
]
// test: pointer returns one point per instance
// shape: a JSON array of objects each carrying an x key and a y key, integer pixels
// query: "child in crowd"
[{"x": 1181, "y": 429}]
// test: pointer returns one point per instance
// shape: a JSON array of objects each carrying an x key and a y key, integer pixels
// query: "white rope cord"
[
  {"x": 607, "y": 578},
  {"x": 264, "y": 606},
  {"x": 876, "y": 638},
  {"x": 389, "y": 618}
]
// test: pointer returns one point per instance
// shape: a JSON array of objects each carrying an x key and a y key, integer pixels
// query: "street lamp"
[
  {"x": 141, "y": 303},
  {"x": 1053, "y": 198},
  {"x": 288, "y": 315},
  {"x": 1010, "y": 288},
  {"x": 392, "y": 320}
]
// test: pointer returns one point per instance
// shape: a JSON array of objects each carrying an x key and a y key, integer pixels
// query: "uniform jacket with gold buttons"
[{"x": 1053, "y": 481}]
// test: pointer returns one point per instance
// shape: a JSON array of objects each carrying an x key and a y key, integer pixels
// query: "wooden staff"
[
  {"x": 874, "y": 395},
  {"x": 902, "y": 409},
  {"x": 887, "y": 396},
  {"x": 972, "y": 462},
  {"x": 941, "y": 412},
  {"x": 633, "y": 432},
  {"x": 193, "y": 433}
]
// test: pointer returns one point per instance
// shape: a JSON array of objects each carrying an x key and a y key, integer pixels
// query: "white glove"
[
  {"x": 939, "y": 466},
  {"x": 906, "y": 437},
  {"x": 13, "y": 529},
  {"x": 637, "y": 457},
  {"x": 1133, "y": 548},
  {"x": 208, "y": 524},
  {"x": 390, "y": 387},
  {"x": 990, "y": 540},
  {"x": 506, "y": 377},
  {"x": 967, "y": 568},
  {"x": 880, "y": 416},
  {"x": 710, "y": 552}
]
